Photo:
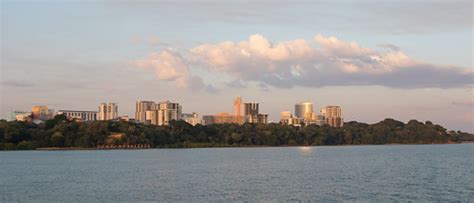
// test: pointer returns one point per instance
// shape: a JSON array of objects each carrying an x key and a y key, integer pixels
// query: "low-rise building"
[
  {"x": 191, "y": 118},
  {"x": 79, "y": 115},
  {"x": 42, "y": 113}
]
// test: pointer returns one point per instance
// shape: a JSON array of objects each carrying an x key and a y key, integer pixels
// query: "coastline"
[{"x": 240, "y": 146}]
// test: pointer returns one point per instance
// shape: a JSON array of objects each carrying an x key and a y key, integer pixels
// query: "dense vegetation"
[{"x": 60, "y": 132}]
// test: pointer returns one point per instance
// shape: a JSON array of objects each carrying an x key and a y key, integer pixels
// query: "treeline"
[{"x": 61, "y": 132}]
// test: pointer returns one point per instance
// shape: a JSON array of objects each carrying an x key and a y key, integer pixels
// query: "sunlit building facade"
[
  {"x": 107, "y": 111},
  {"x": 168, "y": 111},
  {"x": 303, "y": 110},
  {"x": 79, "y": 115},
  {"x": 141, "y": 107},
  {"x": 238, "y": 110},
  {"x": 191, "y": 118},
  {"x": 42, "y": 113},
  {"x": 333, "y": 116}
]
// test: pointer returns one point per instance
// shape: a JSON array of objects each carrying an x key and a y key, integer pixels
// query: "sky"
[{"x": 376, "y": 59}]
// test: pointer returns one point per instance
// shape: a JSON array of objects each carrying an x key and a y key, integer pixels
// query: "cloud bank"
[{"x": 322, "y": 61}]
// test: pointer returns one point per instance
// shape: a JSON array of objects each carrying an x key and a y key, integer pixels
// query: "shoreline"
[{"x": 230, "y": 146}]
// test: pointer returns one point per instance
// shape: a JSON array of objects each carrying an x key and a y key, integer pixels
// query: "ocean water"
[{"x": 271, "y": 174}]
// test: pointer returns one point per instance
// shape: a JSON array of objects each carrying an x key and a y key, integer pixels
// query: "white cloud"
[
  {"x": 326, "y": 61},
  {"x": 168, "y": 66}
]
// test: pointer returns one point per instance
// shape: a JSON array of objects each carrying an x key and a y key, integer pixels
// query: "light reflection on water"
[{"x": 305, "y": 150}]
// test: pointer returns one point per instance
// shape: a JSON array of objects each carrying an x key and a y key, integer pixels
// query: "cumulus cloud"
[
  {"x": 326, "y": 61},
  {"x": 323, "y": 61},
  {"x": 170, "y": 66}
]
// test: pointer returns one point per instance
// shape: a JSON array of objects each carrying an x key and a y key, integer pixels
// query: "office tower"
[
  {"x": 141, "y": 107},
  {"x": 238, "y": 106},
  {"x": 107, "y": 111},
  {"x": 304, "y": 110},
  {"x": 191, "y": 118},
  {"x": 251, "y": 109},
  {"x": 79, "y": 115},
  {"x": 151, "y": 117},
  {"x": 251, "y": 112},
  {"x": 333, "y": 116},
  {"x": 42, "y": 113},
  {"x": 238, "y": 110},
  {"x": 168, "y": 111}
]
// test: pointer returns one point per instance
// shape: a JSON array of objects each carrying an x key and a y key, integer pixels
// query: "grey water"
[{"x": 274, "y": 174}]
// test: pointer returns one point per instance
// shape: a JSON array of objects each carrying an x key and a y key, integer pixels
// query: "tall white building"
[
  {"x": 107, "y": 111},
  {"x": 168, "y": 111},
  {"x": 141, "y": 107}
]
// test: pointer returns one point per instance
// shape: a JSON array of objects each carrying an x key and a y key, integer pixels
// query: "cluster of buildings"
[
  {"x": 161, "y": 113},
  {"x": 247, "y": 112},
  {"x": 304, "y": 114}
]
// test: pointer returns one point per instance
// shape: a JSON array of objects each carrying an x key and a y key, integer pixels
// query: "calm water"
[{"x": 365, "y": 173}]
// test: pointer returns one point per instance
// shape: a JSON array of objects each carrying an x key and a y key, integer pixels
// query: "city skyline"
[{"x": 276, "y": 53}]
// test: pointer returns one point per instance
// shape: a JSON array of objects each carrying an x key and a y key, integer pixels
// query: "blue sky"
[{"x": 377, "y": 59}]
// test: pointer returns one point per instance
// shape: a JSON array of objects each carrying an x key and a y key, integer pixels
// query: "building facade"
[
  {"x": 208, "y": 119},
  {"x": 251, "y": 112},
  {"x": 141, "y": 107},
  {"x": 42, "y": 113},
  {"x": 79, "y": 115},
  {"x": 333, "y": 116},
  {"x": 168, "y": 111},
  {"x": 303, "y": 110},
  {"x": 15, "y": 115},
  {"x": 238, "y": 109},
  {"x": 107, "y": 111},
  {"x": 191, "y": 118}
]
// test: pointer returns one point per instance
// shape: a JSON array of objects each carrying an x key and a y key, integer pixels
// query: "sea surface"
[{"x": 267, "y": 174}]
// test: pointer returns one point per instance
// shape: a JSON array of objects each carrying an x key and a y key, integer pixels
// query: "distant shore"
[{"x": 242, "y": 146}]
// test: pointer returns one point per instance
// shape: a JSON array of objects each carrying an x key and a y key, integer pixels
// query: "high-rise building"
[
  {"x": 303, "y": 110},
  {"x": 251, "y": 108},
  {"x": 238, "y": 110},
  {"x": 107, "y": 111},
  {"x": 151, "y": 117},
  {"x": 79, "y": 115},
  {"x": 333, "y": 116},
  {"x": 251, "y": 112},
  {"x": 141, "y": 107},
  {"x": 168, "y": 111},
  {"x": 331, "y": 111},
  {"x": 191, "y": 118}
]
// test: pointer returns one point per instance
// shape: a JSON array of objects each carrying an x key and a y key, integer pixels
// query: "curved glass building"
[{"x": 302, "y": 109}]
